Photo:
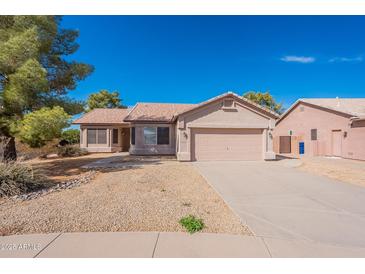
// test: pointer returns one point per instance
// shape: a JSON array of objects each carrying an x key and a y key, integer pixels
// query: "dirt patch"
[
  {"x": 345, "y": 170},
  {"x": 153, "y": 197},
  {"x": 65, "y": 168}
]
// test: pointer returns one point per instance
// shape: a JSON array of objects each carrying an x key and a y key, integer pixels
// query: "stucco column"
[
  {"x": 81, "y": 137},
  {"x": 108, "y": 137}
]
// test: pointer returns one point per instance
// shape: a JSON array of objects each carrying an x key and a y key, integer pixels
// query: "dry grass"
[
  {"x": 153, "y": 197},
  {"x": 25, "y": 152},
  {"x": 345, "y": 170},
  {"x": 65, "y": 168}
]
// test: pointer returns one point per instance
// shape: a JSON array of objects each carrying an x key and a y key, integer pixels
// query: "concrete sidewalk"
[{"x": 163, "y": 245}]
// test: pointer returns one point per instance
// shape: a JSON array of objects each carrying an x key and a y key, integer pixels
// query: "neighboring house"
[
  {"x": 226, "y": 127},
  {"x": 322, "y": 127}
]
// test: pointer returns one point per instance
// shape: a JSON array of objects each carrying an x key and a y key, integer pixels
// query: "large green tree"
[
  {"x": 104, "y": 99},
  {"x": 264, "y": 99},
  {"x": 34, "y": 71}
]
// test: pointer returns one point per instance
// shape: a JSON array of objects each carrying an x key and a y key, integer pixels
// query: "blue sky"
[{"x": 188, "y": 59}]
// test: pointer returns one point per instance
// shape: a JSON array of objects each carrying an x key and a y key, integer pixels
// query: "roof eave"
[
  {"x": 167, "y": 121},
  {"x": 101, "y": 123}
]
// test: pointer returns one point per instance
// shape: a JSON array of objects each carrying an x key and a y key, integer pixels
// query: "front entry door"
[
  {"x": 337, "y": 143},
  {"x": 285, "y": 144}
]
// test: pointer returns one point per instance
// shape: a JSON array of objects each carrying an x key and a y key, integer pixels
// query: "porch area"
[{"x": 105, "y": 138}]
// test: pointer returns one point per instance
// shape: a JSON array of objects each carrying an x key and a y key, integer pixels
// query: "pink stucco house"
[
  {"x": 226, "y": 127},
  {"x": 322, "y": 127}
]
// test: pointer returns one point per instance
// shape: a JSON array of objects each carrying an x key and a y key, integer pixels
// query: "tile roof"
[
  {"x": 156, "y": 112},
  {"x": 351, "y": 106},
  {"x": 103, "y": 116}
]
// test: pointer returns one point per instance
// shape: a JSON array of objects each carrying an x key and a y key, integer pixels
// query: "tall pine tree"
[{"x": 34, "y": 72}]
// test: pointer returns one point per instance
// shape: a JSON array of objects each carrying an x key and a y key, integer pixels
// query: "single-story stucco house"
[
  {"x": 322, "y": 127},
  {"x": 226, "y": 127}
]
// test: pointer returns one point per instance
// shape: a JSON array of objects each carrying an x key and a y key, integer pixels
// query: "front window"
[
  {"x": 96, "y": 136},
  {"x": 101, "y": 136},
  {"x": 163, "y": 135},
  {"x": 150, "y": 135},
  {"x": 91, "y": 136}
]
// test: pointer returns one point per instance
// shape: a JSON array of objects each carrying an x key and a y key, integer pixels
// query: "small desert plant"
[
  {"x": 17, "y": 178},
  {"x": 192, "y": 224},
  {"x": 71, "y": 151}
]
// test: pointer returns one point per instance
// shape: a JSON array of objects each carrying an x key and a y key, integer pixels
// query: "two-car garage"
[
  {"x": 210, "y": 144},
  {"x": 225, "y": 128}
]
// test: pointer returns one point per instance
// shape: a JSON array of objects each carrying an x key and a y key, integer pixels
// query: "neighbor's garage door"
[{"x": 227, "y": 144}]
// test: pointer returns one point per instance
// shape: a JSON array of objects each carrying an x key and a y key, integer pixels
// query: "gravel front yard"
[
  {"x": 152, "y": 197},
  {"x": 345, "y": 170}
]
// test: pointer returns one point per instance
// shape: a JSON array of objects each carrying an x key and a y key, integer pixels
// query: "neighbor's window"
[
  {"x": 314, "y": 134},
  {"x": 150, "y": 135},
  {"x": 96, "y": 136},
  {"x": 81, "y": 137},
  {"x": 91, "y": 136},
  {"x": 133, "y": 135},
  {"x": 163, "y": 135},
  {"x": 115, "y": 136}
]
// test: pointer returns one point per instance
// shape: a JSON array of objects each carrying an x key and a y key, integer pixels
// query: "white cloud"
[
  {"x": 357, "y": 59},
  {"x": 298, "y": 59}
]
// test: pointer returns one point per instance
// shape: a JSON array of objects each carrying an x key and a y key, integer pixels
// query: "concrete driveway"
[{"x": 280, "y": 202}]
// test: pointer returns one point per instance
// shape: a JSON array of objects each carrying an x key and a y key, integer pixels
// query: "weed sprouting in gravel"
[{"x": 192, "y": 224}]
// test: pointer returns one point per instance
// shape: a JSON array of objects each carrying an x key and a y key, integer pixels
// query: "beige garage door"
[{"x": 227, "y": 144}]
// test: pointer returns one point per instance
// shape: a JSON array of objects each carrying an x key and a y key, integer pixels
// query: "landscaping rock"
[
  {"x": 81, "y": 179},
  {"x": 52, "y": 156}
]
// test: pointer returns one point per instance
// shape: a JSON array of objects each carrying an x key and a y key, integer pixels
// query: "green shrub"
[
  {"x": 192, "y": 224},
  {"x": 42, "y": 126},
  {"x": 17, "y": 178},
  {"x": 72, "y": 136},
  {"x": 71, "y": 151}
]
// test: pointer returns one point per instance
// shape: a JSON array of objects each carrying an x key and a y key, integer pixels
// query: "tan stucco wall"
[
  {"x": 123, "y": 141},
  {"x": 301, "y": 123},
  {"x": 140, "y": 148},
  {"x": 213, "y": 116}
]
